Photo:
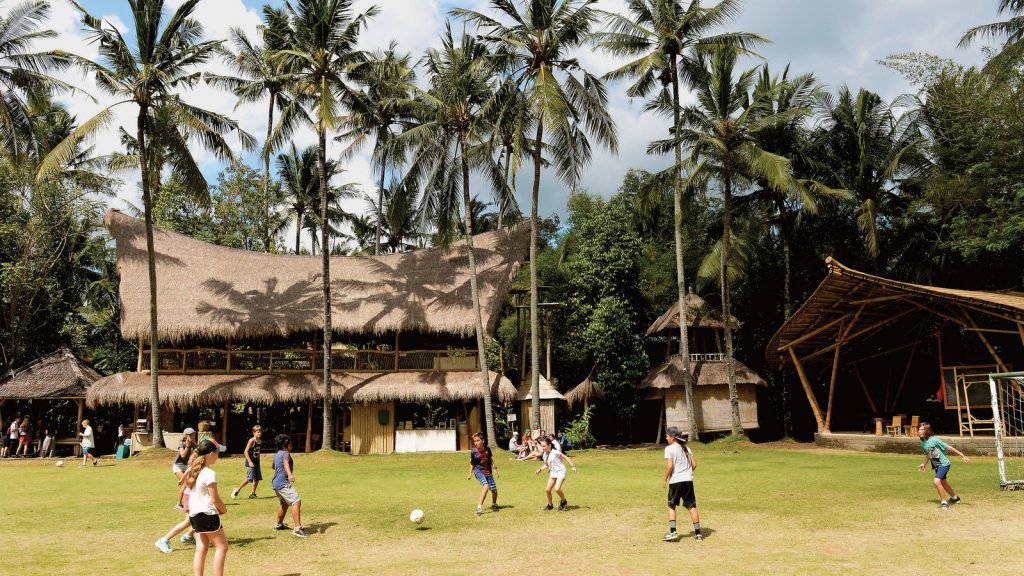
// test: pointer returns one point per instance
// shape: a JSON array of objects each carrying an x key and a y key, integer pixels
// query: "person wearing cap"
[
  {"x": 206, "y": 506},
  {"x": 181, "y": 458},
  {"x": 679, "y": 479}
]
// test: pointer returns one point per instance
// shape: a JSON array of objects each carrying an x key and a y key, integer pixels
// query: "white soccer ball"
[
  {"x": 416, "y": 516},
  {"x": 60, "y": 463}
]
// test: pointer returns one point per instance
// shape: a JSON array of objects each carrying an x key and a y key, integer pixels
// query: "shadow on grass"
[
  {"x": 423, "y": 528},
  {"x": 246, "y": 541},
  {"x": 318, "y": 528},
  {"x": 688, "y": 535}
]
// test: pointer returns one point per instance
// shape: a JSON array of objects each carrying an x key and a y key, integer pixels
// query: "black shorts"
[
  {"x": 205, "y": 523},
  {"x": 682, "y": 492}
]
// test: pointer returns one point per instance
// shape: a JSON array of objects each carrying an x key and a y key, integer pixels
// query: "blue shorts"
[
  {"x": 941, "y": 472},
  {"x": 85, "y": 450},
  {"x": 486, "y": 480},
  {"x": 253, "y": 474}
]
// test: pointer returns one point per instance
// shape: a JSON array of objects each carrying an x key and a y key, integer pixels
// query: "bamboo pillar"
[
  {"x": 1020, "y": 328},
  {"x": 807, "y": 389},
  {"x": 547, "y": 332},
  {"x": 228, "y": 365},
  {"x": 832, "y": 387},
  {"x": 81, "y": 408},
  {"x": 984, "y": 340},
  {"x": 309, "y": 428},
  {"x": 661, "y": 415},
  {"x": 138, "y": 366},
  {"x": 224, "y": 426},
  {"x": 396, "y": 350}
]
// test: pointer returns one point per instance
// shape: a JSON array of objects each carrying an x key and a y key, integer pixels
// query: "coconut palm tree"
[
  {"x": 259, "y": 77},
  {"x": 389, "y": 80},
  {"x": 664, "y": 38},
  {"x": 320, "y": 51},
  {"x": 299, "y": 179},
  {"x": 399, "y": 216},
  {"x": 147, "y": 72},
  {"x": 534, "y": 46},
  {"x": 24, "y": 75},
  {"x": 1012, "y": 30},
  {"x": 450, "y": 140},
  {"x": 721, "y": 130}
]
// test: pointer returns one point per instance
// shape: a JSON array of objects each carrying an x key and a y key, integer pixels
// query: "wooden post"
[
  {"x": 81, "y": 408},
  {"x": 309, "y": 428},
  {"x": 396, "y": 350},
  {"x": 807, "y": 389},
  {"x": 228, "y": 368},
  {"x": 547, "y": 332},
  {"x": 1020, "y": 328},
  {"x": 832, "y": 388},
  {"x": 864, "y": 387},
  {"x": 224, "y": 426},
  {"x": 984, "y": 340},
  {"x": 135, "y": 421},
  {"x": 138, "y": 366},
  {"x": 661, "y": 415}
]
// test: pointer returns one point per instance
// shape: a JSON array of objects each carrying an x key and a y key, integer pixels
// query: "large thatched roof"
[
  {"x": 698, "y": 314},
  {"x": 857, "y": 305},
  {"x": 670, "y": 373},
  {"x": 185, "y": 390},
  {"x": 59, "y": 374},
  {"x": 547, "y": 390},
  {"x": 213, "y": 291}
]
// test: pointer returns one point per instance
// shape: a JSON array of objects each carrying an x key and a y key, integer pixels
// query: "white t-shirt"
[
  {"x": 87, "y": 438},
  {"x": 681, "y": 469},
  {"x": 13, "y": 430},
  {"x": 200, "y": 501},
  {"x": 555, "y": 464}
]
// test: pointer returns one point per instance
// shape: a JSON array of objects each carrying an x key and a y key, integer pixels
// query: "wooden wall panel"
[
  {"x": 713, "y": 411},
  {"x": 368, "y": 435}
]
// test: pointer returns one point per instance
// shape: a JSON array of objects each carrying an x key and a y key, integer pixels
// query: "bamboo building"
[{"x": 241, "y": 337}]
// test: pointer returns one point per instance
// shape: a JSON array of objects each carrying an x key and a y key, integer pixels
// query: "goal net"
[{"x": 1008, "y": 407}]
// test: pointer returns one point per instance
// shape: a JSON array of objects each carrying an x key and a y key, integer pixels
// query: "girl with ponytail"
[{"x": 206, "y": 506}]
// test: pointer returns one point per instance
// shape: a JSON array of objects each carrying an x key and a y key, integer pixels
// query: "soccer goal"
[{"x": 1008, "y": 409}]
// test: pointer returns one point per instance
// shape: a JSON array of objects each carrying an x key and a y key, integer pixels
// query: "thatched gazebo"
[
  {"x": 584, "y": 392},
  {"x": 549, "y": 397},
  {"x": 58, "y": 376},
  {"x": 665, "y": 383},
  {"x": 249, "y": 331}
]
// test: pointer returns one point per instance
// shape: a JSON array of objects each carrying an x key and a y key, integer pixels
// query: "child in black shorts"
[{"x": 679, "y": 479}]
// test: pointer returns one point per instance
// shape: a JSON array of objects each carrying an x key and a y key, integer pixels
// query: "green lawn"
[{"x": 779, "y": 509}]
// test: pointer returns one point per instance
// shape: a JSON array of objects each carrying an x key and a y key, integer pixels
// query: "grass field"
[{"x": 780, "y": 509}]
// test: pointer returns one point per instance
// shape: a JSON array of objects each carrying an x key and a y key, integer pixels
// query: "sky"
[{"x": 840, "y": 41}]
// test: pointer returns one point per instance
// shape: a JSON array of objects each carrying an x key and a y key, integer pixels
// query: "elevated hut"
[
  {"x": 549, "y": 399},
  {"x": 58, "y": 377},
  {"x": 240, "y": 328},
  {"x": 665, "y": 383}
]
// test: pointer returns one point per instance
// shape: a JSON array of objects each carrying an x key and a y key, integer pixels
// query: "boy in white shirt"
[
  {"x": 88, "y": 444},
  {"x": 679, "y": 479}
]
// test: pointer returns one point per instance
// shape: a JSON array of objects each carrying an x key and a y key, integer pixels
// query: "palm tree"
[
  {"x": 399, "y": 216},
  {"x": 534, "y": 48},
  {"x": 147, "y": 73},
  {"x": 867, "y": 150},
  {"x": 321, "y": 49},
  {"x": 664, "y": 37},
  {"x": 259, "y": 77},
  {"x": 298, "y": 174},
  {"x": 722, "y": 129},
  {"x": 450, "y": 140},
  {"x": 23, "y": 75},
  {"x": 1012, "y": 29},
  {"x": 390, "y": 81}
]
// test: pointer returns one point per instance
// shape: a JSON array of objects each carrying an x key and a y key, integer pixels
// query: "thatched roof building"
[
  {"x": 186, "y": 390},
  {"x": 584, "y": 392},
  {"x": 59, "y": 375},
  {"x": 670, "y": 374},
  {"x": 698, "y": 314},
  {"x": 214, "y": 291},
  {"x": 547, "y": 391}
]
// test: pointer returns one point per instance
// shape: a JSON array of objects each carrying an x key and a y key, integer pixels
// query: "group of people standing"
[
  {"x": 199, "y": 498},
  {"x": 18, "y": 439}
]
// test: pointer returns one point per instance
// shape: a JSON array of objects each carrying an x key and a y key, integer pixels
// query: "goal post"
[{"x": 1007, "y": 389}]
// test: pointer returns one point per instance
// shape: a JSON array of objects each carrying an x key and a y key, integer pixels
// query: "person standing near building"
[
  {"x": 481, "y": 465},
  {"x": 553, "y": 462},
  {"x": 284, "y": 476},
  {"x": 935, "y": 453},
  {"x": 253, "y": 473},
  {"x": 88, "y": 444},
  {"x": 679, "y": 470}
]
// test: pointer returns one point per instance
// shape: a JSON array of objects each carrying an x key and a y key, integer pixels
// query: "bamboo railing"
[{"x": 301, "y": 360}]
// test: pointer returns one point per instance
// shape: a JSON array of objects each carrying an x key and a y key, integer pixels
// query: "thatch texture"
[
  {"x": 860, "y": 304},
  {"x": 60, "y": 374},
  {"x": 698, "y": 314},
  {"x": 584, "y": 392},
  {"x": 186, "y": 390},
  {"x": 670, "y": 374},
  {"x": 547, "y": 391},
  {"x": 213, "y": 291}
]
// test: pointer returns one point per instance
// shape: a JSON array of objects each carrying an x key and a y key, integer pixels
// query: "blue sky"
[{"x": 839, "y": 40}]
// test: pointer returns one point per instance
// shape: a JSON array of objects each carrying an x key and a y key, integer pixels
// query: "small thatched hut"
[
  {"x": 245, "y": 328},
  {"x": 584, "y": 393},
  {"x": 665, "y": 382},
  {"x": 57, "y": 377},
  {"x": 549, "y": 397}
]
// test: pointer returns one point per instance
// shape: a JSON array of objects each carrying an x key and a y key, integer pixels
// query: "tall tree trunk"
[
  {"x": 157, "y": 440},
  {"x": 380, "y": 201},
  {"x": 787, "y": 310},
  {"x": 508, "y": 187},
  {"x": 266, "y": 178},
  {"x": 298, "y": 231},
  {"x": 485, "y": 376},
  {"x": 534, "y": 318},
  {"x": 684, "y": 343},
  {"x": 734, "y": 399},
  {"x": 328, "y": 433}
]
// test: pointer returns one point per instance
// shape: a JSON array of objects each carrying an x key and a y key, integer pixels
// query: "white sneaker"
[{"x": 234, "y": 493}]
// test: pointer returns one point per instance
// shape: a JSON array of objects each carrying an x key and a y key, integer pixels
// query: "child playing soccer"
[
  {"x": 481, "y": 465},
  {"x": 679, "y": 479},
  {"x": 205, "y": 508},
  {"x": 88, "y": 444},
  {"x": 252, "y": 462},
  {"x": 553, "y": 462},
  {"x": 935, "y": 452},
  {"x": 284, "y": 475}
]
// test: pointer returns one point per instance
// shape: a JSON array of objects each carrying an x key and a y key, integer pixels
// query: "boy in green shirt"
[{"x": 935, "y": 453}]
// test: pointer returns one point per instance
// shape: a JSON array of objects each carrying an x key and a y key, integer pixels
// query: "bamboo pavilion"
[
  {"x": 239, "y": 335},
  {"x": 876, "y": 356},
  {"x": 665, "y": 382}
]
